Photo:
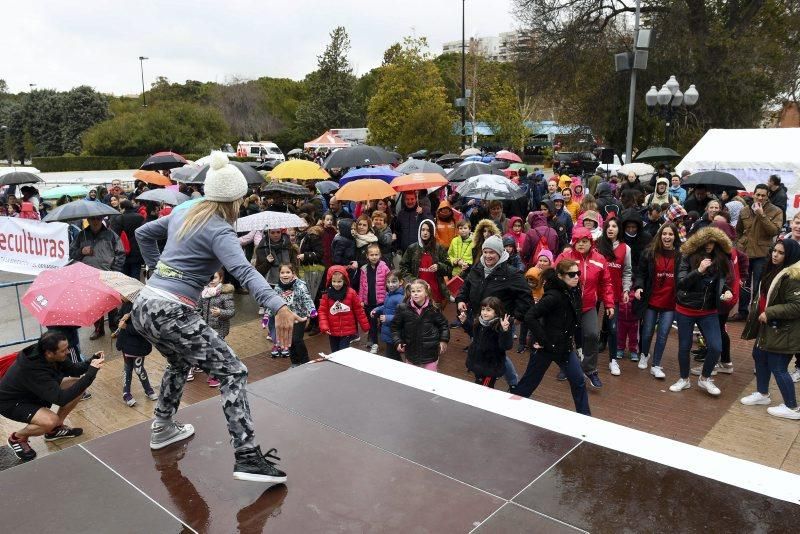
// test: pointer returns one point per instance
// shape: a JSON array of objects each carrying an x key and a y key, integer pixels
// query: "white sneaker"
[
  {"x": 726, "y": 368},
  {"x": 643, "y": 361},
  {"x": 374, "y": 349},
  {"x": 783, "y": 411},
  {"x": 680, "y": 385},
  {"x": 657, "y": 372},
  {"x": 580, "y": 354},
  {"x": 613, "y": 366},
  {"x": 708, "y": 385},
  {"x": 755, "y": 399},
  {"x": 697, "y": 371},
  {"x": 795, "y": 375},
  {"x": 261, "y": 311}
]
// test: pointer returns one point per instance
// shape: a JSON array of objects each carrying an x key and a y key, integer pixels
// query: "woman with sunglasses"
[{"x": 553, "y": 321}]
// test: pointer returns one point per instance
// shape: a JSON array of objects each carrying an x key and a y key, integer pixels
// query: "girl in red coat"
[
  {"x": 341, "y": 312},
  {"x": 595, "y": 286}
]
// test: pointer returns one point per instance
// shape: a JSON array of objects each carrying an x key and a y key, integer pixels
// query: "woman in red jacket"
[
  {"x": 595, "y": 286},
  {"x": 341, "y": 312}
]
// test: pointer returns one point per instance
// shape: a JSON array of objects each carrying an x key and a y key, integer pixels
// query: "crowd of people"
[{"x": 573, "y": 269}]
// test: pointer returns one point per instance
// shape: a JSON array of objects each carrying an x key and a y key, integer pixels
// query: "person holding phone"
[{"x": 41, "y": 376}]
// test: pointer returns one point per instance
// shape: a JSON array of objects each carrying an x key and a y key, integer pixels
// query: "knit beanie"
[
  {"x": 494, "y": 243},
  {"x": 224, "y": 182},
  {"x": 547, "y": 254}
]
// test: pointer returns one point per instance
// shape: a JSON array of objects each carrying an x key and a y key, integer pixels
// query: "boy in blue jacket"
[{"x": 385, "y": 313}]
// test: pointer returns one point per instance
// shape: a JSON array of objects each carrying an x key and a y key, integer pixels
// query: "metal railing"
[{"x": 20, "y": 318}]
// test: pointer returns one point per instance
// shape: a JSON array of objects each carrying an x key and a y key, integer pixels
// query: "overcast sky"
[{"x": 65, "y": 43}]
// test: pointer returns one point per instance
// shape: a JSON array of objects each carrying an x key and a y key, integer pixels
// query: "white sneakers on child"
[
  {"x": 643, "y": 358},
  {"x": 708, "y": 385},
  {"x": 657, "y": 372},
  {"x": 613, "y": 366},
  {"x": 680, "y": 385}
]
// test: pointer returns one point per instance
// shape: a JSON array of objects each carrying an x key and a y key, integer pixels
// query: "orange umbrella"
[
  {"x": 152, "y": 177},
  {"x": 418, "y": 180},
  {"x": 366, "y": 189}
]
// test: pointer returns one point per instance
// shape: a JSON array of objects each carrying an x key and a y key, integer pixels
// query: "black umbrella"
[
  {"x": 358, "y": 156},
  {"x": 19, "y": 177},
  {"x": 267, "y": 165},
  {"x": 656, "y": 154},
  {"x": 419, "y": 154},
  {"x": 80, "y": 209},
  {"x": 470, "y": 169},
  {"x": 163, "y": 160},
  {"x": 500, "y": 164},
  {"x": 326, "y": 187},
  {"x": 713, "y": 180},
  {"x": 420, "y": 165},
  {"x": 449, "y": 159},
  {"x": 250, "y": 174},
  {"x": 436, "y": 154},
  {"x": 286, "y": 188}
]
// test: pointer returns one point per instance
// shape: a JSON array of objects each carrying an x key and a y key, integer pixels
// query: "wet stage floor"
[{"x": 416, "y": 453}]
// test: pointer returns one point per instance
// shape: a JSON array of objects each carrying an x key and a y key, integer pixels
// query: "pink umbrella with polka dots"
[{"x": 70, "y": 296}]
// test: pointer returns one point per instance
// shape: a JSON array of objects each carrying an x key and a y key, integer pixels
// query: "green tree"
[
  {"x": 409, "y": 109},
  {"x": 330, "y": 102},
  {"x": 82, "y": 108},
  {"x": 178, "y": 126},
  {"x": 502, "y": 113},
  {"x": 43, "y": 114}
]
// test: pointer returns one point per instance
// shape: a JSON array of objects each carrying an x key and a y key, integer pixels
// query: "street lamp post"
[
  {"x": 668, "y": 101},
  {"x": 31, "y": 86},
  {"x": 463, "y": 80},
  {"x": 141, "y": 68}
]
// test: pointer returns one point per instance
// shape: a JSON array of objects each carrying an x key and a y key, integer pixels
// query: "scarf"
[
  {"x": 287, "y": 286},
  {"x": 365, "y": 239},
  {"x": 419, "y": 309},
  {"x": 487, "y": 323},
  {"x": 337, "y": 294},
  {"x": 211, "y": 292}
]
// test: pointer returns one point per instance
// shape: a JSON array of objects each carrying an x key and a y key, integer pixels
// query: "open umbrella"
[
  {"x": 185, "y": 173},
  {"x": 417, "y": 181},
  {"x": 80, "y": 209},
  {"x": 420, "y": 165},
  {"x": 366, "y": 189},
  {"x": 657, "y": 154},
  {"x": 359, "y": 156},
  {"x": 419, "y": 154},
  {"x": 469, "y": 169},
  {"x": 386, "y": 174},
  {"x": 490, "y": 187},
  {"x": 69, "y": 190},
  {"x": 449, "y": 159},
  {"x": 167, "y": 196},
  {"x": 326, "y": 187},
  {"x": 286, "y": 188},
  {"x": 713, "y": 180},
  {"x": 71, "y": 295},
  {"x": 474, "y": 157},
  {"x": 124, "y": 285},
  {"x": 299, "y": 169},
  {"x": 500, "y": 164},
  {"x": 518, "y": 166},
  {"x": 188, "y": 204},
  {"x": 294, "y": 152},
  {"x": 19, "y": 177},
  {"x": 250, "y": 174},
  {"x": 471, "y": 151},
  {"x": 508, "y": 156},
  {"x": 269, "y": 220},
  {"x": 152, "y": 177},
  {"x": 163, "y": 160},
  {"x": 639, "y": 169}
]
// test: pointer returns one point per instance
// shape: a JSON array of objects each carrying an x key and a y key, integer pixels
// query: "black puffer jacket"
[
  {"x": 343, "y": 247},
  {"x": 420, "y": 332},
  {"x": 128, "y": 222},
  {"x": 554, "y": 319},
  {"x": 639, "y": 242},
  {"x": 505, "y": 282},
  {"x": 311, "y": 246},
  {"x": 487, "y": 352},
  {"x": 702, "y": 291},
  {"x": 129, "y": 341}
]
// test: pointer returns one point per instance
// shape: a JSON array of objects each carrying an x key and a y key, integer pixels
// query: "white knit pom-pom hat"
[{"x": 224, "y": 182}]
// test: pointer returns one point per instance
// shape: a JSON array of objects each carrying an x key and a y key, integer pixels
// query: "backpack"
[{"x": 126, "y": 244}]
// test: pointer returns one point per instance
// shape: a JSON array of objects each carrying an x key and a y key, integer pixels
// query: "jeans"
[
  {"x": 756, "y": 268},
  {"x": 611, "y": 324},
  {"x": 709, "y": 325},
  {"x": 777, "y": 364},
  {"x": 725, "y": 355},
  {"x": 537, "y": 366},
  {"x": 339, "y": 343},
  {"x": 510, "y": 374},
  {"x": 662, "y": 319},
  {"x": 590, "y": 333}
]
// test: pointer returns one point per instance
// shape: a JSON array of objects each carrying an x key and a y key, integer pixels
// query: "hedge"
[{"x": 100, "y": 163}]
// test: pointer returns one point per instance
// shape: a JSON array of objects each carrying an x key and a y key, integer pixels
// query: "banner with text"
[{"x": 30, "y": 247}]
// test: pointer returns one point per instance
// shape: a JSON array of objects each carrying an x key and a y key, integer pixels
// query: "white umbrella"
[
  {"x": 490, "y": 187},
  {"x": 639, "y": 169},
  {"x": 269, "y": 220},
  {"x": 167, "y": 196},
  {"x": 471, "y": 152}
]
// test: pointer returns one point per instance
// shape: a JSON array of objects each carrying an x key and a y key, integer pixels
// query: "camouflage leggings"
[{"x": 185, "y": 340}]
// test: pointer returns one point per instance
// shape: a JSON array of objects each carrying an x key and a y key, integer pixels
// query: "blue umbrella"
[
  {"x": 380, "y": 173},
  {"x": 473, "y": 158},
  {"x": 188, "y": 204},
  {"x": 487, "y": 159}
]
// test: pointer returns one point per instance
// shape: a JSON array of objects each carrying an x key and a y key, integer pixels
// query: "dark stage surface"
[{"x": 418, "y": 453}]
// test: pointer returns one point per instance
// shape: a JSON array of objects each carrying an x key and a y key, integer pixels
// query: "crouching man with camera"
[{"x": 40, "y": 377}]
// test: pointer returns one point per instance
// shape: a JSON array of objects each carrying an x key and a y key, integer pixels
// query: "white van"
[{"x": 262, "y": 150}]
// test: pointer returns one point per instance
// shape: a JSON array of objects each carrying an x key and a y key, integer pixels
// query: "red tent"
[{"x": 327, "y": 140}]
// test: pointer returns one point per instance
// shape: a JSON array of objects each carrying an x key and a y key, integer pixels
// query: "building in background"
[{"x": 493, "y": 47}]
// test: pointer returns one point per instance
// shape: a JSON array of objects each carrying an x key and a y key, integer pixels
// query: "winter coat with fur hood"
[
  {"x": 781, "y": 333},
  {"x": 702, "y": 291}
]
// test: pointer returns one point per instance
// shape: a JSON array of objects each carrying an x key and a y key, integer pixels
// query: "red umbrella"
[
  {"x": 508, "y": 156},
  {"x": 70, "y": 296}
]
